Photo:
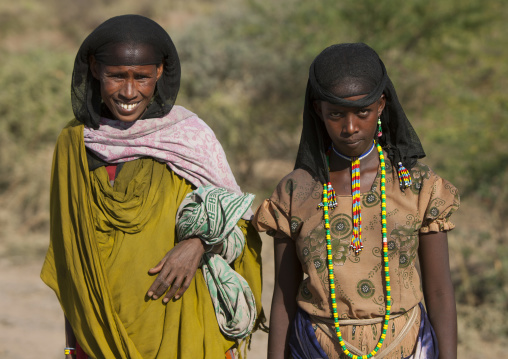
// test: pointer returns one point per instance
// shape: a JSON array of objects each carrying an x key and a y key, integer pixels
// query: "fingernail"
[
  {"x": 150, "y": 294},
  {"x": 165, "y": 300}
]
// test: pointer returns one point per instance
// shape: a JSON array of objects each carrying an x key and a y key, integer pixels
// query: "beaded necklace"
[
  {"x": 356, "y": 238},
  {"x": 327, "y": 188}
]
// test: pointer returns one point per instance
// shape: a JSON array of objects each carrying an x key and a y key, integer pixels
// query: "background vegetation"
[{"x": 244, "y": 71}]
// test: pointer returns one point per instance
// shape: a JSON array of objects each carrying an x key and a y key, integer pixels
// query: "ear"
[
  {"x": 160, "y": 69},
  {"x": 317, "y": 108},
  {"x": 94, "y": 66},
  {"x": 382, "y": 104}
]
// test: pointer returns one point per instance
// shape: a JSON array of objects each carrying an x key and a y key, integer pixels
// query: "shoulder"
[
  {"x": 180, "y": 113},
  {"x": 297, "y": 186},
  {"x": 425, "y": 179},
  {"x": 72, "y": 131}
]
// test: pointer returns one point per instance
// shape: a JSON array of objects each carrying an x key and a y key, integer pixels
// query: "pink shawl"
[{"x": 180, "y": 139}]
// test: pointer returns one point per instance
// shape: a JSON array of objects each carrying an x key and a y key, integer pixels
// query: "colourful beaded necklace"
[
  {"x": 356, "y": 238},
  {"x": 325, "y": 205}
]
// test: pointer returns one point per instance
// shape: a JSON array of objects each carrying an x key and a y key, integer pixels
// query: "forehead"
[
  {"x": 351, "y": 86},
  {"x": 128, "y": 54}
]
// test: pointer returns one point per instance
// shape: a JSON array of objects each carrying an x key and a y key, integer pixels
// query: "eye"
[
  {"x": 364, "y": 112},
  {"x": 335, "y": 114}
]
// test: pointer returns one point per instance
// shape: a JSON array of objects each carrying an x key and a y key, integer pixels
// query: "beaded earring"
[
  {"x": 379, "y": 129},
  {"x": 404, "y": 177}
]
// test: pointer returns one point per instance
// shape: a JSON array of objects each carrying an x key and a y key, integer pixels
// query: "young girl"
[
  {"x": 350, "y": 222},
  {"x": 141, "y": 196}
]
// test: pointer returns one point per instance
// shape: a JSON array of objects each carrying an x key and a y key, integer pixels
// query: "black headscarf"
[
  {"x": 103, "y": 43},
  {"x": 354, "y": 63}
]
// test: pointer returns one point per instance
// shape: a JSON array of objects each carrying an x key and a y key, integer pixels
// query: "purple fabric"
[
  {"x": 302, "y": 339},
  {"x": 304, "y": 344},
  {"x": 426, "y": 343}
]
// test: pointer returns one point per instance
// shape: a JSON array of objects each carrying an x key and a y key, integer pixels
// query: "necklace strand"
[
  {"x": 331, "y": 276},
  {"x": 350, "y": 158}
]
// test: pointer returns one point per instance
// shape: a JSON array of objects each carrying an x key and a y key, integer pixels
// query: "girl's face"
[
  {"x": 126, "y": 90},
  {"x": 351, "y": 129}
]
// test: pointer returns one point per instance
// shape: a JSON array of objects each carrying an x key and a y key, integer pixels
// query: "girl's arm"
[
  {"x": 438, "y": 291},
  {"x": 288, "y": 275}
]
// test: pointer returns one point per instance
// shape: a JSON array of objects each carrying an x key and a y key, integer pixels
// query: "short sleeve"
[
  {"x": 273, "y": 215},
  {"x": 443, "y": 202}
]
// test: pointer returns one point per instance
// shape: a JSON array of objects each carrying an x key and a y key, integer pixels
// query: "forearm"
[
  {"x": 443, "y": 317},
  {"x": 288, "y": 275},
  {"x": 280, "y": 318},
  {"x": 438, "y": 291}
]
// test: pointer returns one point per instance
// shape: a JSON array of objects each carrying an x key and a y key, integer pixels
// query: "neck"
[
  {"x": 347, "y": 158},
  {"x": 368, "y": 160}
]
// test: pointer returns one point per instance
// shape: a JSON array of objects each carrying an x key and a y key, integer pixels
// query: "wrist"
[{"x": 69, "y": 351}]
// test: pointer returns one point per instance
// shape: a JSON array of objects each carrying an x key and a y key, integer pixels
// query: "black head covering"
[
  {"x": 359, "y": 65},
  {"x": 106, "y": 42}
]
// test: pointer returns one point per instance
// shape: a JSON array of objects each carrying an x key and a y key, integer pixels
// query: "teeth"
[{"x": 127, "y": 106}]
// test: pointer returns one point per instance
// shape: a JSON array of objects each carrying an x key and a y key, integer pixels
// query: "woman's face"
[
  {"x": 351, "y": 129},
  {"x": 126, "y": 90}
]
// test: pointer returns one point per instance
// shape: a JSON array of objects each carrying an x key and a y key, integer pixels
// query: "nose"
[
  {"x": 128, "y": 91},
  {"x": 350, "y": 126}
]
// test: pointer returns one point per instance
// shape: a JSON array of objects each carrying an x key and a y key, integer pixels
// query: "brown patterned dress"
[{"x": 292, "y": 211}]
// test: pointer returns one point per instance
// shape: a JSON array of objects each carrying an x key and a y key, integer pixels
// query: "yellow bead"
[
  {"x": 379, "y": 345},
  {"x": 383, "y": 336}
]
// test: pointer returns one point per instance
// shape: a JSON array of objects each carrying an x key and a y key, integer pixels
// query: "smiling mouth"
[{"x": 128, "y": 106}]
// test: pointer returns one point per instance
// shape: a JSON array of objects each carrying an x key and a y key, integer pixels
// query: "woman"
[
  {"x": 133, "y": 177},
  {"x": 353, "y": 216}
]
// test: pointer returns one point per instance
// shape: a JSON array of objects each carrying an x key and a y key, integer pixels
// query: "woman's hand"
[{"x": 176, "y": 269}]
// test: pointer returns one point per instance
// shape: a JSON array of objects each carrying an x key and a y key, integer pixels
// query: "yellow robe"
[{"x": 103, "y": 242}]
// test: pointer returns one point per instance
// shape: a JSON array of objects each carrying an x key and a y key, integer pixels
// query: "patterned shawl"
[{"x": 180, "y": 139}]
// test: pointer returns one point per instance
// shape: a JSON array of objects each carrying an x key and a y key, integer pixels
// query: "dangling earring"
[{"x": 379, "y": 129}]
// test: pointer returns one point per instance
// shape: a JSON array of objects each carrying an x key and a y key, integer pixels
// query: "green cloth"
[
  {"x": 211, "y": 214},
  {"x": 103, "y": 242}
]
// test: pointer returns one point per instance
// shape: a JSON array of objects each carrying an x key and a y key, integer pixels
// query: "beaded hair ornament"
[{"x": 330, "y": 201}]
